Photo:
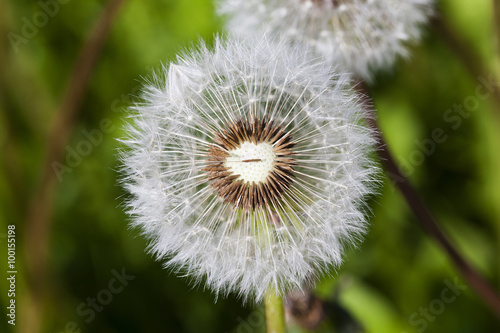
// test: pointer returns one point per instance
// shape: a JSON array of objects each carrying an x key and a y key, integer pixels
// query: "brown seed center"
[{"x": 235, "y": 189}]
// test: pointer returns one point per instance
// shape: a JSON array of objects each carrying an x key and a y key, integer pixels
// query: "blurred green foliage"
[{"x": 384, "y": 284}]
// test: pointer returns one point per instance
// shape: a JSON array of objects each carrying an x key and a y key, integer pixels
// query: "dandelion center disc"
[
  {"x": 253, "y": 162},
  {"x": 250, "y": 164}
]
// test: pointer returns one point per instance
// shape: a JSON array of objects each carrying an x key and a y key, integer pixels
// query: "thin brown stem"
[
  {"x": 496, "y": 37},
  {"x": 496, "y": 27},
  {"x": 39, "y": 214},
  {"x": 496, "y": 42},
  {"x": 482, "y": 288}
]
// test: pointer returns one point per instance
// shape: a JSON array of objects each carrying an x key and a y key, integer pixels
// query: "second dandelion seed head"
[{"x": 364, "y": 36}]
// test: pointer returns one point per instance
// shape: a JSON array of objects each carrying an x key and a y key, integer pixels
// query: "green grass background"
[{"x": 394, "y": 273}]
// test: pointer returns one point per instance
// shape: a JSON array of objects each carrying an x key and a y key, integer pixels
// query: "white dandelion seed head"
[
  {"x": 248, "y": 166},
  {"x": 363, "y": 35}
]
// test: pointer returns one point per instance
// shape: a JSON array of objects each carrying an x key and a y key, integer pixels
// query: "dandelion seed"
[
  {"x": 363, "y": 35},
  {"x": 248, "y": 166}
]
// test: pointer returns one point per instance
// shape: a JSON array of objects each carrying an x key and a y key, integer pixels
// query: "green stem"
[{"x": 275, "y": 317}]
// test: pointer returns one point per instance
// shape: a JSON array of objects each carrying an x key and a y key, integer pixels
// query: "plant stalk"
[
  {"x": 275, "y": 316},
  {"x": 477, "y": 282}
]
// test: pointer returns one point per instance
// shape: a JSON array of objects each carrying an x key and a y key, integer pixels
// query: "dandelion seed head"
[
  {"x": 248, "y": 166},
  {"x": 363, "y": 35}
]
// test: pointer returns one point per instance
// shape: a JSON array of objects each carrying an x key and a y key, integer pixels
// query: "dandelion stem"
[
  {"x": 478, "y": 283},
  {"x": 496, "y": 31},
  {"x": 39, "y": 213},
  {"x": 275, "y": 316}
]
